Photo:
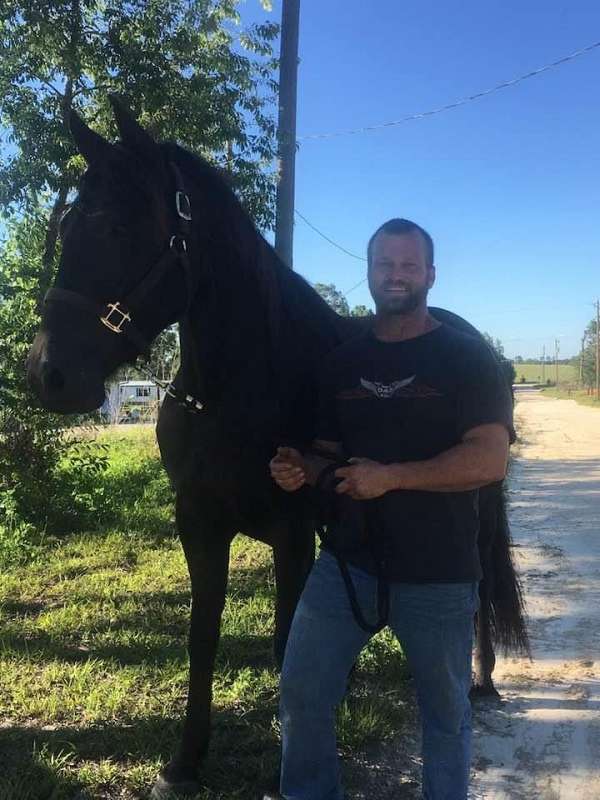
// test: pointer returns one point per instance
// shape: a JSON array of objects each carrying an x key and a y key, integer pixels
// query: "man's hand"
[
  {"x": 364, "y": 479},
  {"x": 288, "y": 469}
]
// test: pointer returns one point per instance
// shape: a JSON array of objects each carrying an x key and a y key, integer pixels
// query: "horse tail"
[{"x": 506, "y": 604}]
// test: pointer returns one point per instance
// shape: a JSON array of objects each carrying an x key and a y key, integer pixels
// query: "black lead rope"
[
  {"x": 383, "y": 586},
  {"x": 383, "y": 598}
]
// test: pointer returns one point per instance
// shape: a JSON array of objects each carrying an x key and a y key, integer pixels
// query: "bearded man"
[{"x": 422, "y": 416}]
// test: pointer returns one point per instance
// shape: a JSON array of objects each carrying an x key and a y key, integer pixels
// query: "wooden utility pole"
[
  {"x": 544, "y": 364},
  {"x": 581, "y": 360},
  {"x": 597, "y": 349},
  {"x": 286, "y": 131},
  {"x": 556, "y": 351}
]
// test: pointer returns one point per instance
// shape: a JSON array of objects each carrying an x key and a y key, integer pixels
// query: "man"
[{"x": 421, "y": 414}]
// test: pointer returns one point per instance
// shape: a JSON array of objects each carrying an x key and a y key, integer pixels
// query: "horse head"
[{"x": 124, "y": 272}]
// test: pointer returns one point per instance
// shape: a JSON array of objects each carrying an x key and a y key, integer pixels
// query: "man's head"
[{"x": 401, "y": 270}]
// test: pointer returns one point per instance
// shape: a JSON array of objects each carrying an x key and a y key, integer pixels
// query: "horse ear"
[
  {"x": 90, "y": 144},
  {"x": 132, "y": 133}
]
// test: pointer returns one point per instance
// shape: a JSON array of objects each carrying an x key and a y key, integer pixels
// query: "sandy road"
[{"x": 543, "y": 741}]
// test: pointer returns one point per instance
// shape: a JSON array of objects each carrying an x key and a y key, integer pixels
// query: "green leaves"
[
  {"x": 186, "y": 67},
  {"x": 337, "y": 300},
  {"x": 192, "y": 73}
]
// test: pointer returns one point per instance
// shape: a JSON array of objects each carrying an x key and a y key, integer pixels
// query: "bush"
[{"x": 32, "y": 441}]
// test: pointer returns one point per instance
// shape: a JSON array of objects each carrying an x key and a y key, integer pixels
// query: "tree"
[
  {"x": 334, "y": 297},
  {"x": 337, "y": 300},
  {"x": 191, "y": 74},
  {"x": 589, "y": 355},
  {"x": 164, "y": 359},
  {"x": 181, "y": 64},
  {"x": 361, "y": 311},
  {"x": 30, "y": 439},
  {"x": 506, "y": 364}
]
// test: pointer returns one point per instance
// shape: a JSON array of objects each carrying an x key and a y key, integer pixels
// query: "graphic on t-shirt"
[
  {"x": 385, "y": 390},
  {"x": 411, "y": 387}
]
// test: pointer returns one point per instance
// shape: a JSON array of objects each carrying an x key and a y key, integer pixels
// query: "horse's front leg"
[
  {"x": 293, "y": 554},
  {"x": 206, "y": 547}
]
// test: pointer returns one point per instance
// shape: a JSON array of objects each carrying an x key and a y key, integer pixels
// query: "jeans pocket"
[{"x": 454, "y": 600}]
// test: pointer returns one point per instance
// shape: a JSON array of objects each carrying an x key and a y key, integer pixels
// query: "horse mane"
[
  {"x": 253, "y": 252},
  {"x": 271, "y": 308}
]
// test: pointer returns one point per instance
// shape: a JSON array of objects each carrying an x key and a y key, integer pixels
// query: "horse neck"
[{"x": 255, "y": 320}]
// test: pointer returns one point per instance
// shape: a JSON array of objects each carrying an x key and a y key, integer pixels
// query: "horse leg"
[
  {"x": 485, "y": 658},
  {"x": 293, "y": 554},
  {"x": 502, "y": 614},
  {"x": 207, "y": 556}
]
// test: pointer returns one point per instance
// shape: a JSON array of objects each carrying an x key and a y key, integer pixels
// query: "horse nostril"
[{"x": 54, "y": 380}]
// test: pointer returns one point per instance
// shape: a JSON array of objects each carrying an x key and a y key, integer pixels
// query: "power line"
[
  {"x": 463, "y": 101},
  {"x": 339, "y": 247},
  {"x": 356, "y": 285},
  {"x": 327, "y": 239}
]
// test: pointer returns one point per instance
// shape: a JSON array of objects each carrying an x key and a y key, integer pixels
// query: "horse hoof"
[
  {"x": 164, "y": 789},
  {"x": 481, "y": 691}
]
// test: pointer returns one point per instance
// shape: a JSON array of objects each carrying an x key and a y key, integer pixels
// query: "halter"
[{"x": 117, "y": 316}]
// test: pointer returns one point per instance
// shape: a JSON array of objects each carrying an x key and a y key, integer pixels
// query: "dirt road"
[{"x": 543, "y": 741}]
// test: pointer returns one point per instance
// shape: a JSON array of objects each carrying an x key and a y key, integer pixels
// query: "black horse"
[{"x": 157, "y": 235}]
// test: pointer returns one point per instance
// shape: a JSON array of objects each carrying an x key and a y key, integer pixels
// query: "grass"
[
  {"x": 581, "y": 396},
  {"x": 533, "y": 373},
  {"x": 93, "y": 664}
]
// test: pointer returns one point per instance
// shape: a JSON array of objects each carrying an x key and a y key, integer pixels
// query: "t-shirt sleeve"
[
  {"x": 328, "y": 424},
  {"x": 485, "y": 395}
]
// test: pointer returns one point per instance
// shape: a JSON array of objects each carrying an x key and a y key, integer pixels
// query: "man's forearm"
[{"x": 466, "y": 466}]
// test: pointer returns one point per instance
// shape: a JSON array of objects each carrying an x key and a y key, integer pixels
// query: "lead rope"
[
  {"x": 383, "y": 586},
  {"x": 187, "y": 401}
]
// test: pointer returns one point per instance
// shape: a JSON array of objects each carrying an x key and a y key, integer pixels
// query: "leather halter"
[{"x": 117, "y": 316}]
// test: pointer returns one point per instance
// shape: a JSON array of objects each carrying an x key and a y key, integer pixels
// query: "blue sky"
[{"x": 508, "y": 186}]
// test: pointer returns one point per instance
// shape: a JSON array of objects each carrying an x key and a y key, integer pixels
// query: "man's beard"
[{"x": 407, "y": 303}]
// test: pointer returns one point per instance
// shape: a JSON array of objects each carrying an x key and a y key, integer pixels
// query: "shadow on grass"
[
  {"x": 235, "y": 651},
  {"x": 42, "y": 764},
  {"x": 156, "y": 632}
]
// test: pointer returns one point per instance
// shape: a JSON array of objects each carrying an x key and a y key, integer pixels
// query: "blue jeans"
[{"x": 434, "y": 623}]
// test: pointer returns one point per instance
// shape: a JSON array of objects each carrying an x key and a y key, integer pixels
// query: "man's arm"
[
  {"x": 291, "y": 469},
  {"x": 479, "y": 459}
]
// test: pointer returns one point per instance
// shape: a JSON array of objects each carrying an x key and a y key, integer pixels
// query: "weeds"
[{"x": 93, "y": 661}]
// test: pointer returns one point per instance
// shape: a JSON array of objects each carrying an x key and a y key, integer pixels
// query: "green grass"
[
  {"x": 581, "y": 396},
  {"x": 93, "y": 664},
  {"x": 533, "y": 373}
]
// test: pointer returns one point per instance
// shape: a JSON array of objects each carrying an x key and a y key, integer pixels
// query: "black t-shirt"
[{"x": 410, "y": 401}]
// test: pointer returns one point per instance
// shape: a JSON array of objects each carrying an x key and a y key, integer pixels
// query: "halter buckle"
[
  {"x": 183, "y": 206},
  {"x": 115, "y": 327}
]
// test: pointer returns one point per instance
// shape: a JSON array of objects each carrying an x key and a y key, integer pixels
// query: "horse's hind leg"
[
  {"x": 206, "y": 547},
  {"x": 293, "y": 554},
  {"x": 485, "y": 658}
]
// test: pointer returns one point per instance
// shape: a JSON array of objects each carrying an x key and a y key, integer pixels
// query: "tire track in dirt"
[{"x": 542, "y": 742}]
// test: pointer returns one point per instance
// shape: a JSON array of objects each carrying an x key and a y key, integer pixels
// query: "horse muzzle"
[{"x": 63, "y": 383}]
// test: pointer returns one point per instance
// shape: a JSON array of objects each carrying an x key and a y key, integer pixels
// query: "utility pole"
[
  {"x": 544, "y": 364},
  {"x": 556, "y": 351},
  {"x": 581, "y": 360},
  {"x": 286, "y": 131},
  {"x": 597, "y": 349}
]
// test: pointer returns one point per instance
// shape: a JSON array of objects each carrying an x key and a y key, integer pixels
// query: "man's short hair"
[{"x": 398, "y": 227}]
